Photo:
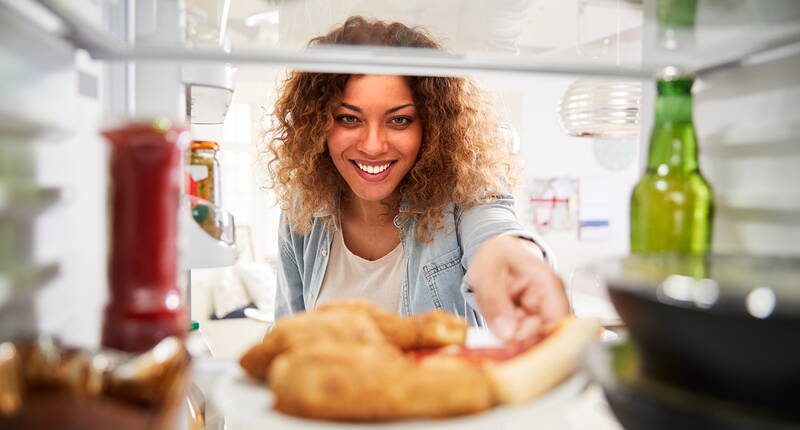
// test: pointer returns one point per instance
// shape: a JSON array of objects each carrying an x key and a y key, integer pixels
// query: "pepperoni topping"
[{"x": 510, "y": 350}]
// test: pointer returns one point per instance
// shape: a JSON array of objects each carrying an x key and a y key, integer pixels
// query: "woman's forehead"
[{"x": 371, "y": 88}]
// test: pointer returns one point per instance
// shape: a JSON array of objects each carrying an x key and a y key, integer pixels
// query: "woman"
[{"x": 395, "y": 189}]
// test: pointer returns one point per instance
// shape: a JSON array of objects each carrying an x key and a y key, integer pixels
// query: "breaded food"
[
  {"x": 351, "y": 361},
  {"x": 432, "y": 329},
  {"x": 439, "y": 328},
  {"x": 307, "y": 329},
  {"x": 398, "y": 330},
  {"x": 370, "y": 382}
]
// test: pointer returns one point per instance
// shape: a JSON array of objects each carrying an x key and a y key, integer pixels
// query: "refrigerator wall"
[
  {"x": 55, "y": 98},
  {"x": 748, "y": 123},
  {"x": 53, "y": 101}
]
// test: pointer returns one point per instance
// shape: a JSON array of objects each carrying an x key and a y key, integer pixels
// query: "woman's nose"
[{"x": 373, "y": 142}]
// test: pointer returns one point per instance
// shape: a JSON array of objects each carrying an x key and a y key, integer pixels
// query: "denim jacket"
[{"x": 434, "y": 271}]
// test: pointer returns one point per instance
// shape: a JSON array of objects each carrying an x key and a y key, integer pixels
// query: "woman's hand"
[{"x": 516, "y": 291}]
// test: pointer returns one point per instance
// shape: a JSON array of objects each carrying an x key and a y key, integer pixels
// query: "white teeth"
[{"x": 374, "y": 170}]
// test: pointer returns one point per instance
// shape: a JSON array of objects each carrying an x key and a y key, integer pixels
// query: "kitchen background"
[{"x": 56, "y": 99}]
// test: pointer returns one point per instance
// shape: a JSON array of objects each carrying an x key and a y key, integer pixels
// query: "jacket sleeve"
[
  {"x": 481, "y": 222},
  {"x": 289, "y": 291}
]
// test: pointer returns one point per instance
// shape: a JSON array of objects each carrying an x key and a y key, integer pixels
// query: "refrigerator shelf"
[
  {"x": 20, "y": 282},
  {"x": 19, "y": 202},
  {"x": 776, "y": 203},
  {"x": 722, "y": 38},
  {"x": 24, "y": 128}
]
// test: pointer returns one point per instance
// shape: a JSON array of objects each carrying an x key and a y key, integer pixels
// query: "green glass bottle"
[{"x": 672, "y": 206}]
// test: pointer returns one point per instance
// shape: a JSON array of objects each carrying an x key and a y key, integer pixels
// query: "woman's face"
[{"x": 376, "y": 135}]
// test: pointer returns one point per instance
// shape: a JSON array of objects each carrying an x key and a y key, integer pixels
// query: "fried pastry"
[
  {"x": 429, "y": 330},
  {"x": 398, "y": 330},
  {"x": 370, "y": 382},
  {"x": 439, "y": 328},
  {"x": 309, "y": 328}
]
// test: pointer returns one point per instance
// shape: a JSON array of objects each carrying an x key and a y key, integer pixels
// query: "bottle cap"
[
  {"x": 671, "y": 73},
  {"x": 205, "y": 144}
]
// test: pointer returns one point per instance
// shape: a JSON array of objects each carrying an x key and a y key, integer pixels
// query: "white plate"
[{"x": 247, "y": 404}]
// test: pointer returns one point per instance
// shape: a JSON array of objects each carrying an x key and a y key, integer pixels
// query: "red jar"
[{"x": 145, "y": 303}]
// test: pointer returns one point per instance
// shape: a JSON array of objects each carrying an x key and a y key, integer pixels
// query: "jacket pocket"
[{"x": 443, "y": 276}]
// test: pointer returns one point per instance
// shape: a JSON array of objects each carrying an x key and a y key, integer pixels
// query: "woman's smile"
[{"x": 373, "y": 172}]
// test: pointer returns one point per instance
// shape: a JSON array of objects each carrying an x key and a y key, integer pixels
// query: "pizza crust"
[{"x": 544, "y": 366}]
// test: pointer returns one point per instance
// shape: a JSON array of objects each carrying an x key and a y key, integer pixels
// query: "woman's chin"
[{"x": 372, "y": 195}]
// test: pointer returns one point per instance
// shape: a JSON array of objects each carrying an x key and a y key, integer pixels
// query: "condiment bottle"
[{"x": 145, "y": 303}]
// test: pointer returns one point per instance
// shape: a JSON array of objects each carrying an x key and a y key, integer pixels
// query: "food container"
[
  {"x": 725, "y": 326},
  {"x": 146, "y": 303},
  {"x": 46, "y": 385},
  {"x": 203, "y": 172}
]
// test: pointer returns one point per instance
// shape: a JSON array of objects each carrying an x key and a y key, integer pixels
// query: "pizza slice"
[{"x": 521, "y": 370}]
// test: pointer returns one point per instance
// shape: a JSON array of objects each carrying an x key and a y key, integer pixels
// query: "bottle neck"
[
  {"x": 674, "y": 109},
  {"x": 673, "y": 143}
]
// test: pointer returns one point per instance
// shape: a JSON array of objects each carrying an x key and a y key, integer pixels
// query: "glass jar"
[
  {"x": 203, "y": 182},
  {"x": 202, "y": 172}
]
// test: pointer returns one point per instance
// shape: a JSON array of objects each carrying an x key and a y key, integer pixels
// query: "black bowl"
[
  {"x": 726, "y": 326},
  {"x": 642, "y": 403}
]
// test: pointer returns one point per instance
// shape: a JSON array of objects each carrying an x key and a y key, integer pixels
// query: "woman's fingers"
[
  {"x": 546, "y": 301},
  {"x": 517, "y": 292},
  {"x": 528, "y": 326},
  {"x": 495, "y": 302},
  {"x": 553, "y": 306},
  {"x": 530, "y": 298}
]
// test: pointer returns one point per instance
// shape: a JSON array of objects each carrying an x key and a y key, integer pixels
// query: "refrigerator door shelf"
[
  {"x": 210, "y": 239},
  {"x": 25, "y": 202}
]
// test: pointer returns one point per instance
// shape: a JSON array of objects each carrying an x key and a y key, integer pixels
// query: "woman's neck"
[{"x": 369, "y": 212}]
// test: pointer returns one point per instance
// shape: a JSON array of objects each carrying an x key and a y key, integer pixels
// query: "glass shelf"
[
  {"x": 16, "y": 126},
  {"x": 20, "y": 282},
  {"x": 582, "y": 37},
  {"x": 25, "y": 201},
  {"x": 775, "y": 203}
]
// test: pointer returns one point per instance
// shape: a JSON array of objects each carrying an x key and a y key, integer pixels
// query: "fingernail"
[{"x": 503, "y": 326}]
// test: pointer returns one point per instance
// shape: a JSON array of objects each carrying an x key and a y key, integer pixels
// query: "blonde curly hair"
[{"x": 463, "y": 156}]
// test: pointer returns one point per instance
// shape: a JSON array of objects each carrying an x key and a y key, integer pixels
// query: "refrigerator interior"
[{"x": 64, "y": 82}]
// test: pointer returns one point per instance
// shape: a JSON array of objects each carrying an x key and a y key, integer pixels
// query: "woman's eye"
[
  {"x": 400, "y": 120},
  {"x": 347, "y": 119}
]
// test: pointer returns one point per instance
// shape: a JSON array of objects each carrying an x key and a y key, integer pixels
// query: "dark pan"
[
  {"x": 725, "y": 326},
  {"x": 643, "y": 403}
]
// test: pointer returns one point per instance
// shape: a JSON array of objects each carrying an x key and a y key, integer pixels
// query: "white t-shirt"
[{"x": 349, "y": 276}]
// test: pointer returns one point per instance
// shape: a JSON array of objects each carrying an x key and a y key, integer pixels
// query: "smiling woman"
[
  {"x": 462, "y": 158},
  {"x": 374, "y": 142},
  {"x": 393, "y": 188}
]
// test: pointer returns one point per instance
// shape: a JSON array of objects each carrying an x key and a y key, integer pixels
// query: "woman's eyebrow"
[
  {"x": 388, "y": 111},
  {"x": 351, "y": 107},
  {"x": 395, "y": 109}
]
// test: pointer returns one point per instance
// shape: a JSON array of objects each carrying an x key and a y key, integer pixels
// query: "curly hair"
[{"x": 463, "y": 157}]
